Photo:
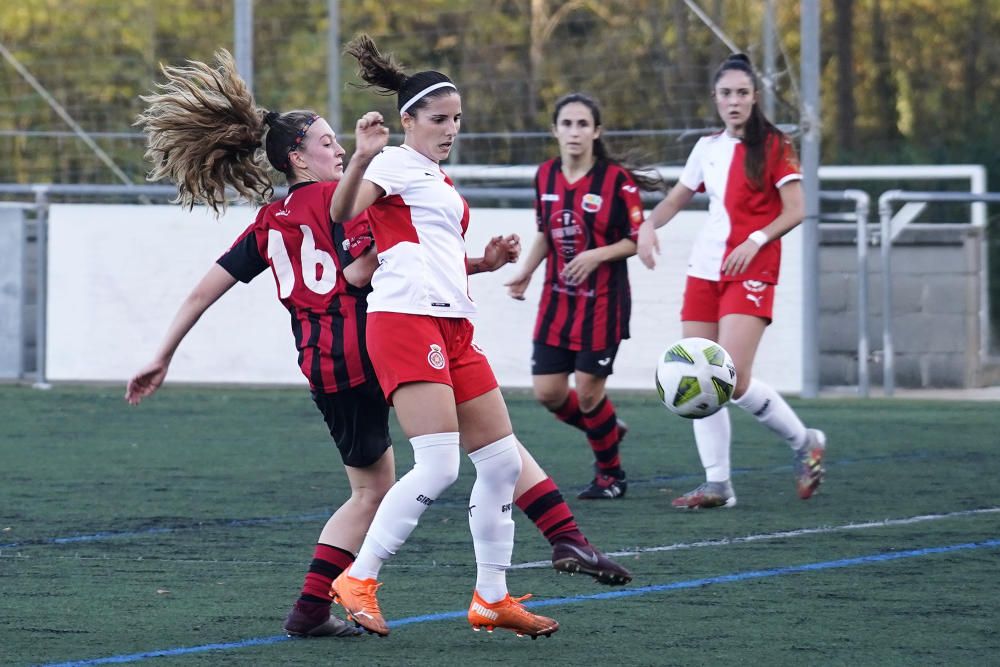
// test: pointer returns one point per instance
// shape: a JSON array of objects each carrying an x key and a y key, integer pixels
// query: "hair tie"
[
  {"x": 270, "y": 117},
  {"x": 301, "y": 134},
  {"x": 413, "y": 100}
]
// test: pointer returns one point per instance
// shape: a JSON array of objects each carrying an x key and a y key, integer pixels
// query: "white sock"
[
  {"x": 435, "y": 467},
  {"x": 771, "y": 410},
  {"x": 712, "y": 435},
  {"x": 491, "y": 502}
]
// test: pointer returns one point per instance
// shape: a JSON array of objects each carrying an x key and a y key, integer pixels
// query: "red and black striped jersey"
[
  {"x": 597, "y": 210},
  {"x": 307, "y": 255}
]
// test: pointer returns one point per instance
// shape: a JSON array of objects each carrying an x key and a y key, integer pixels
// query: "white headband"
[{"x": 413, "y": 100}]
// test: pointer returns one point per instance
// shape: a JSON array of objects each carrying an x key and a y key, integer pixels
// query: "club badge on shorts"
[{"x": 435, "y": 357}]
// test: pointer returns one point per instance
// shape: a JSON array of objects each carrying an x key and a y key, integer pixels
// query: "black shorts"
[
  {"x": 549, "y": 360},
  {"x": 358, "y": 420}
]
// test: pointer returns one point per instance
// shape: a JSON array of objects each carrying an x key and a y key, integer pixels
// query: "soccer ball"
[{"x": 695, "y": 377}]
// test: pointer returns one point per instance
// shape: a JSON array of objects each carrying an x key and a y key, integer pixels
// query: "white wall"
[{"x": 118, "y": 273}]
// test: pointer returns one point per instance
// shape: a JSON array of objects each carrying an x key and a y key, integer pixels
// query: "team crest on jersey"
[
  {"x": 635, "y": 213},
  {"x": 568, "y": 233},
  {"x": 435, "y": 357},
  {"x": 754, "y": 286},
  {"x": 591, "y": 203}
]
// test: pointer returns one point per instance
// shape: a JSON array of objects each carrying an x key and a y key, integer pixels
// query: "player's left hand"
[
  {"x": 739, "y": 259},
  {"x": 580, "y": 267},
  {"x": 501, "y": 250}
]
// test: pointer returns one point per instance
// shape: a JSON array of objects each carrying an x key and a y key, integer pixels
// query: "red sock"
[
  {"x": 570, "y": 412},
  {"x": 327, "y": 564},
  {"x": 601, "y": 425},
  {"x": 545, "y": 506}
]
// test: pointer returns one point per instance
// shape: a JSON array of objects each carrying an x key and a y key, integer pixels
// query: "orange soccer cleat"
[
  {"x": 509, "y": 613},
  {"x": 357, "y": 597}
]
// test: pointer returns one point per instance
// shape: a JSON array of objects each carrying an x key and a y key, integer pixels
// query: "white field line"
[
  {"x": 725, "y": 541},
  {"x": 800, "y": 532}
]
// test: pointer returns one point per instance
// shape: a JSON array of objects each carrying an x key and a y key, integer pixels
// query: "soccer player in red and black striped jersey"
[
  {"x": 588, "y": 213},
  {"x": 321, "y": 274}
]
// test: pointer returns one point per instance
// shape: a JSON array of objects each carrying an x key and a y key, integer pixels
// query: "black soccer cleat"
[{"x": 572, "y": 557}]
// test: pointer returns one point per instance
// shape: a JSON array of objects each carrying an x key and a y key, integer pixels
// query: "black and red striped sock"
[
  {"x": 544, "y": 505},
  {"x": 327, "y": 564},
  {"x": 601, "y": 425},
  {"x": 570, "y": 412}
]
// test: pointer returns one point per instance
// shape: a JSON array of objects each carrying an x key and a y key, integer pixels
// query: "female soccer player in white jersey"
[
  {"x": 204, "y": 130},
  {"x": 751, "y": 175},
  {"x": 421, "y": 344}
]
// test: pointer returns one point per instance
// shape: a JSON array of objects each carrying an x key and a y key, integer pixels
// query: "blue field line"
[
  {"x": 235, "y": 523},
  {"x": 146, "y": 532},
  {"x": 610, "y": 595}
]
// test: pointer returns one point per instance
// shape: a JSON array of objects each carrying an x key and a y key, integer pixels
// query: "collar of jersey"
[
  {"x": 578, "y": 182},
  {"x": 421, "y": 156},
  {"x": 300, "y": 184}
]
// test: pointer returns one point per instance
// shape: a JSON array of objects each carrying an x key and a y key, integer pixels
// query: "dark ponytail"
[
  {"x": 759, "y": 133},
  {"x": 388, "y": 77}
]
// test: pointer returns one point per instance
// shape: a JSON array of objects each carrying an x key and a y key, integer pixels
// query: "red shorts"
[
  {"x": 421, "y": 348},
  {"x": 710, "y": 300}
]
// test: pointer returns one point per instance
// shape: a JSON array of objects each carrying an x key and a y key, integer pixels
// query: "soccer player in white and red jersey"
[
  {"x": 204, "y": 129},
  {"x": 751, "y": 175},
  {"x": 588, "y": 211},
  {"x": 421, "y": 344}
]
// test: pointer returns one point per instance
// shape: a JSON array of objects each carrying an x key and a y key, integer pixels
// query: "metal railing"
[
  {"x": 890, "y": 228},
  {"x": 862, "y": 206},
  {"x": 43, "y": 193}
]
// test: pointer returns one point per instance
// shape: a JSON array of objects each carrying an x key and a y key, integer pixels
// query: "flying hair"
[
  {"x": 380, "y": 72},
  {"x": 203, "y": 131},
  {"x": 387, "y": 77}
]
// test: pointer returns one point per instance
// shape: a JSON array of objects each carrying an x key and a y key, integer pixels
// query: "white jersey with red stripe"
[
  {"x": 737, "y": 208},
  {"x": 419, "y": 229}
]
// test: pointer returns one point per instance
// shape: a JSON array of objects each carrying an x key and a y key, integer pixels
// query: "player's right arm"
[
  {"x": 647, "y": 244},
  {"x": 354, "y": 194},
  {"x": 517, "y": 285},
  {"x": 213, "y": 285}
]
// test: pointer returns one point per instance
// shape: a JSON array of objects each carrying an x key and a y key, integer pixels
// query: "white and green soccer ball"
[{"x": 695, "y": 377}]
